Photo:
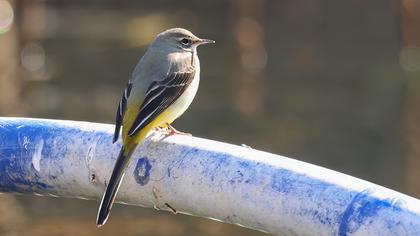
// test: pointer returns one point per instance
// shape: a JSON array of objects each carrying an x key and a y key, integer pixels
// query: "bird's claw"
[
  {"x": 170, "y": 130},
  {"x": 159, "y": 129}
]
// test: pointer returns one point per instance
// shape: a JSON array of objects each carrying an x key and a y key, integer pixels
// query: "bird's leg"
[
  {"x": 172, "y": 131},
  {"x": 161, "y": 128}
]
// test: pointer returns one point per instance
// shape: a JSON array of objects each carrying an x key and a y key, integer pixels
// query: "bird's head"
[{"x": 180, "y": 39}]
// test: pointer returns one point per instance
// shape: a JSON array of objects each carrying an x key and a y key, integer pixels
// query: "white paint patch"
[
  {"x": 36, "y": 157},
  {"x": 25, "y": 142},
  {"x": 90, "y": 153}
]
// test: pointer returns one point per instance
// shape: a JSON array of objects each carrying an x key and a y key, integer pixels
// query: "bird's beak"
[{"x": 204, "y": 41}]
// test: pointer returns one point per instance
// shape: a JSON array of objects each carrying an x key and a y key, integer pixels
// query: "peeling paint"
[
  {"x": 36, "y": 157},
  {"x": 362, "y": 209},
  {"x": 201, "y": 177},
  {"x": 142, "y": 171},
  {"x": 89, "y": 155},
  {"x": 155, "y": 193},
  {"x": 93, "y": 178},
  {"x": 25, "y": 142}
]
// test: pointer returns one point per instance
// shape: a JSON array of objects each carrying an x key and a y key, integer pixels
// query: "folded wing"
[
  {"x": 159, "y": 96},
  {"x": 122, "y": 106}
]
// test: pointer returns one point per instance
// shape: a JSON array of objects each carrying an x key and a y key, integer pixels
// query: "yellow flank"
[
  {"x": 130, "y": 143},
  {"x": 166, "y": 117}
]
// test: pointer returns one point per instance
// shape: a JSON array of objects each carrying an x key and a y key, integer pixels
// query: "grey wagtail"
[{"x": 162, "y": 86}]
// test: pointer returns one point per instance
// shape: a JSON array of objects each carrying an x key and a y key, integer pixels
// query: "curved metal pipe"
[{"x": 205, "y": 178}]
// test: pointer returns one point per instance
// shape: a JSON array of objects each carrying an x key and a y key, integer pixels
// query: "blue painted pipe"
[{"x": 233, "y": 184}]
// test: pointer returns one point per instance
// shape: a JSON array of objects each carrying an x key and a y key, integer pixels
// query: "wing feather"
[
  {"x": 122, "y": 106},
  {"x": 159, "y": 96}
]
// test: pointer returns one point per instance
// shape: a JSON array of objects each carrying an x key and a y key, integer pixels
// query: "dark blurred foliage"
[{"x": 334, "y": 83}]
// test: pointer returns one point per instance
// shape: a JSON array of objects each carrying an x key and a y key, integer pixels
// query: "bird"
[{"x": 161, "y": 88}]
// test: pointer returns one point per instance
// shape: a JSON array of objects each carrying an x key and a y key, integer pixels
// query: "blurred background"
[{"x": 334, "y": 83}]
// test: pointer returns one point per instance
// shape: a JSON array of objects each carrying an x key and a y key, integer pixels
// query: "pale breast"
[{"x": 184, "y": 101}]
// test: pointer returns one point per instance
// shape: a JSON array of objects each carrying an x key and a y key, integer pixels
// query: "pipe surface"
[{"x": 233, "y": 184}]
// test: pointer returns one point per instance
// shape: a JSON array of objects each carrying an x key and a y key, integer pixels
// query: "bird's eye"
[{"x": 186, "y": 42}]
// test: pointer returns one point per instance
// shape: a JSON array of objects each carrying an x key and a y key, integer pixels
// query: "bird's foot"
[
  {"x": 170, "y": 130},
  {"x": 159, "y": 129},
  {"x": 160, "y": 133}
]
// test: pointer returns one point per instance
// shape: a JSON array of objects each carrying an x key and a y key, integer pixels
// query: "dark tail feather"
[{"x": 112, "y": 188}]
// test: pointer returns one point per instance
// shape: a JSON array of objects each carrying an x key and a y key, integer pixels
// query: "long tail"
[{"x": 113, "y": 186}]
